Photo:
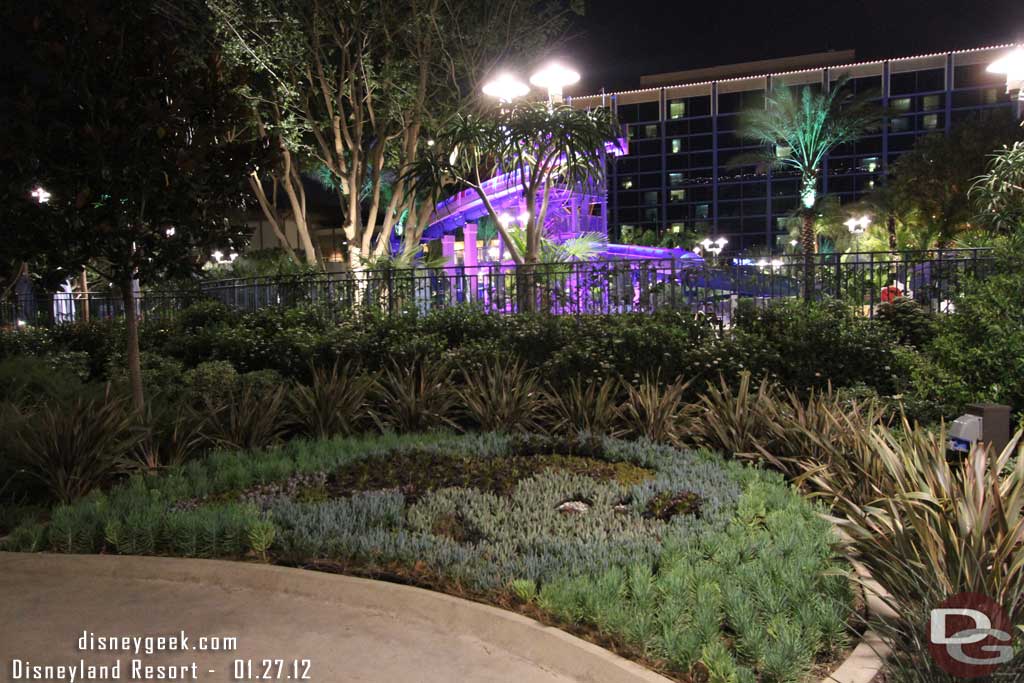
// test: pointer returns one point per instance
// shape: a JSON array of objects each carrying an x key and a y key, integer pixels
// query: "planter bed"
[{"x": 698, "y": 567}]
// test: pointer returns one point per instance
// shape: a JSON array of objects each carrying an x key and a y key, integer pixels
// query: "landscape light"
[
  {"x": 218, "y": 256},
  {"x": 41, "y": 195},
  {"x": 505, "y": 219},
  {"x": 554, "y": 78},
  {"x": 505, "y": 88}
]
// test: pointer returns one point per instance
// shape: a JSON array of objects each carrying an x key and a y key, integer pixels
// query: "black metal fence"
[{"x": 863, "y": 280}]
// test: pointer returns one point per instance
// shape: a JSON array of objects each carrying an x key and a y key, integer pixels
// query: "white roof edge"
[{"x": 788, "y": 73}]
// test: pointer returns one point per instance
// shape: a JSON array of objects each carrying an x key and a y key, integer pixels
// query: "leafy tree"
[
  {"x": 541, "y": 148},
  {"x": 360, "y": 86},
  {"x": 999, "y": 192},
  {"x": 800, "y": 127},
  {"x": 124, "y": 117},
  {"x": 932, "y": 182}
]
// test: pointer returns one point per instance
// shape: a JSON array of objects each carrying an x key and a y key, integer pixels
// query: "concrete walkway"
[{"x": 349, "y": 629}]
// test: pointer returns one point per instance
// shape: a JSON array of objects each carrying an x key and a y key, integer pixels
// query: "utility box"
[
  {"x": 984, "y": 423},
  {"x": 965, "y": 431}
]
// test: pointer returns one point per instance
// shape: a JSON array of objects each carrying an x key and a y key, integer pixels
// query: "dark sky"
[{"x": 620, "y": 40}]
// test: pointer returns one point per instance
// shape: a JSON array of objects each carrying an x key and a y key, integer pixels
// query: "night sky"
[{"x": 620, "y": 40}]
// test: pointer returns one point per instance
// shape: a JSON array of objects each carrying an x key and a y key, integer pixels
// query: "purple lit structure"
[{"x": 571, "y": 213}]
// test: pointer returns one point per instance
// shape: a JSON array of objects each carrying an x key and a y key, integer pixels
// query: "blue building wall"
[{"x": 679, "y": 175}]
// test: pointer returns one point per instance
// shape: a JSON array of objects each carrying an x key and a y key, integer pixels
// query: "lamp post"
[
  {"x": 505, "y": 88},
  {"x": 857, "y": 227},
  {"x": 555, "y": 78},
  {"x": 713, "y": 247},
  {"x": 1011, "y": 65}
]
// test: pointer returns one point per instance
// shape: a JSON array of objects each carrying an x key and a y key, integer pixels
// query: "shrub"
[
  {"x": 810, "y": 345},
  {"x": 246, "y": 419},
  {"x": 935, "y": 529},
  {"x": 213, "y": 380},
  {"x": 336, "y": 401},
  {"x": 416, "y": 398},
  {"x": 735, "y": 422},
  {"x": 910, "y": 322},
  {"x": 173, "y": 434},
  {"x": 982, "y": 343},
  {"x": 26, "y": 381},
  {"x": 584, "y": 406},
  {"x": 73, "y": 447},
  {"x": 503, "y": 395},
  {"x": 655, "y": 412}
]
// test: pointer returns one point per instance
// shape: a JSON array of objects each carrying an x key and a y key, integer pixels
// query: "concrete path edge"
[{"x": 549, "y": 647}]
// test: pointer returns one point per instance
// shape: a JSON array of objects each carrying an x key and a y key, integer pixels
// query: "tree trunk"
[
  {"x": 808, "y": 243},
  {"x": 85, "y": 295},
  {"x": 890, "y": 226},
  {"x": 131, "y": 316}
]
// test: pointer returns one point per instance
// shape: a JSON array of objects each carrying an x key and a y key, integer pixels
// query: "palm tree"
[
  {"x": 540, "y": 147},
  {"x": 799, "y": 127}
]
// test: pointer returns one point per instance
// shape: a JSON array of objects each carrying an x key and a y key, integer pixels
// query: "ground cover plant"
[{"x": 706, "y": 568}]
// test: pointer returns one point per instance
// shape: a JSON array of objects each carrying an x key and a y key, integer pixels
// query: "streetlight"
[
  {"x": 41, "y": 195},
  {"x": 554, "y": 78},
  {"x": 505, "y": 88},
  {"x": 714, "y": 247},
  {"x": 1011, "y": 65},
  {"x": 857, "y": 227}
]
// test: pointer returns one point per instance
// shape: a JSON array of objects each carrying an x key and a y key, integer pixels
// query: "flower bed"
[{"x": 696, "y": 566}]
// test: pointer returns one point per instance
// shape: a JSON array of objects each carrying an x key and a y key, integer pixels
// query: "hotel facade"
[{"x": 680, "y": 174}]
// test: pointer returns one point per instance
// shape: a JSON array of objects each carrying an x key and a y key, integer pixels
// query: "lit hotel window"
[
  {"x": 677, "y": 195},
  {"x": 901, "y": 104},
  {"x": 930, "y": 121},
  {"x": 675, "y": 179},
  {"x": 651, "y": 130},
  {"x": 900, "y": 125},
  {"x": 677, "y": 109},
  {"x": 930, "y": 102},
  {"x": 626, "y": 183},
  {"x": 702, "y": 210},
  {"x": 869, "y": 164},
  {"x": 677, "y": 145},
  {"x": 651, "y": 197}
]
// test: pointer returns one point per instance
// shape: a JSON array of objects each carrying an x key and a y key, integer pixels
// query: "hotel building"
[{"x": 680, "y": 175}]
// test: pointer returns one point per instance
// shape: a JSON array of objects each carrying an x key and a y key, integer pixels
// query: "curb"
[
  {"x": 546, "y": 646},
  {"x": 868, "y": 658}
]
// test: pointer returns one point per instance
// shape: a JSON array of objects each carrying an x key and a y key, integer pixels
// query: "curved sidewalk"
[{"x": 349, "y": 629}]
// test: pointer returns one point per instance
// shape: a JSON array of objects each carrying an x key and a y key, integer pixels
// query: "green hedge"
[{"x": 801, "y": 346}]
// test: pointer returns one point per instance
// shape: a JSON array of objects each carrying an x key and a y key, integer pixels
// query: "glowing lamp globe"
[
  {"x": 1011, "y": 65},
  {"x": 554, "y": 78},
  {"x": 506, "y": 88}
]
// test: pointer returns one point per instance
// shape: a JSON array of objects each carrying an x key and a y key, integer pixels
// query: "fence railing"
[{"x": 863, "y": 280}]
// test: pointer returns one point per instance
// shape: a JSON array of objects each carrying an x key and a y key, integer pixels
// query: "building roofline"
[
  {"x": 850, "y": 65},
  {"x": 749, "y": 69}
]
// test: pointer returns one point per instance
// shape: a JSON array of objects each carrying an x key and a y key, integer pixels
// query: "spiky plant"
[
  {"x": 583, "y": 406},
  {"x": 415, "y": 398},
  {"x": 250, "y": 419},
  {"x": 504, "y": 395},
  {"x": 654, "y": 411},
  {"x": 335, "y": 402},
  {"x": 76, "y": 446},
  {"x": 735, "y": 422},
  {"x": 172, "y": 435},
  {"x": 936, "y": 529},
  {"x": 799, "y": 127}
]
